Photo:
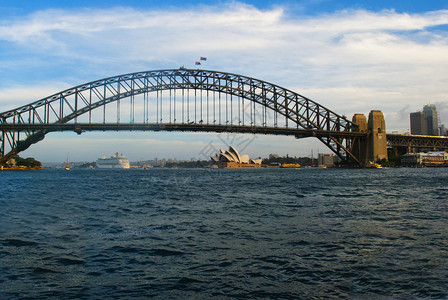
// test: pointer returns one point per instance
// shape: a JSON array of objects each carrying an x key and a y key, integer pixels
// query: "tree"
[{"x": 29, "y": 162}]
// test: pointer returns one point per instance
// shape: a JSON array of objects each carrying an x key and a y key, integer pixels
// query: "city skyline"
[
  {"x": 426, "y": 122},
  {"x": 347, "y": 56}
]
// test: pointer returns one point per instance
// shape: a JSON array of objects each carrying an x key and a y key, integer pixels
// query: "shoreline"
[{"x": 20, "y": 168}]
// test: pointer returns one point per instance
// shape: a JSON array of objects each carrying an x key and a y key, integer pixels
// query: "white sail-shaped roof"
[
  {"x": 245, "y": 159},
  {"x": 235, "y": 153},
  {"x": 214, "y": 158},
  {"x": 225, "y": 157},
  {"x": 232, "y": 155},
  {"x": 256, "y": 161}
]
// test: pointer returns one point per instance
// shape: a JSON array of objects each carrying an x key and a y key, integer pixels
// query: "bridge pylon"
[
  {"x": 360, "y": 145},
  {"x": 378, "y": 138},
  {"x": 373, "y": 146}
]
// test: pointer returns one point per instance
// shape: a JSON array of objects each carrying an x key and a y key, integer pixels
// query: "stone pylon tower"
[
  {"x": 360, "y": 145},
  {"x": 374, "y": 146},
  {"x": 377, "y": 138}
]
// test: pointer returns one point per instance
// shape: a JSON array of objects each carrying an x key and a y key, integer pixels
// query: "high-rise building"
[
  {"x": 425, "y": 122},
  {"x": 418, "y": 126},
  {"x": 443, "y": 130},
  {"x": 432, "y": 124}
]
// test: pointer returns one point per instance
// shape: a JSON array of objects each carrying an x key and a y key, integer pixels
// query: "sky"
[{"x": 351, "y": 57}]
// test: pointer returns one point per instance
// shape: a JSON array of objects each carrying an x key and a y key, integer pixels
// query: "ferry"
[
  {"x": 374, "y": 165},
  {"x": 290, "y": 166},
  {"x": 113, "y": 162}
]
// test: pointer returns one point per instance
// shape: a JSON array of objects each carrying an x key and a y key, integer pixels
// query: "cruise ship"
[{"x": 113, "y": 162}]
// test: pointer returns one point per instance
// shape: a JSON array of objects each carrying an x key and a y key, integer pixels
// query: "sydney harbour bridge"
[{"x": 200, "y": 101}]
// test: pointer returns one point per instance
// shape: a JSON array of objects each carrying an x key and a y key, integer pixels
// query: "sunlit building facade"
[
  {"x": 325, "y": 159},
  {"x": 428, "y": 159}
]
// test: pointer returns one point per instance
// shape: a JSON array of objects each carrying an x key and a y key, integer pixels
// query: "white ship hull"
[
  {"x": 106, "y": 166},
  {"x": 113, "y": 162}
]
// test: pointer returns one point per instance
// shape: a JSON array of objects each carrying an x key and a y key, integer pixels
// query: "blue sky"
[
  {"x": 18, "y": 8},
  {"x": 349, "y": 56}
]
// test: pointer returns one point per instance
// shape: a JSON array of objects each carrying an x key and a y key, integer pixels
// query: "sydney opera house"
[{"x": 231, "y": 159}]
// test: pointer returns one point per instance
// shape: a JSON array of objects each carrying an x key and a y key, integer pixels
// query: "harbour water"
[{"x": 199, "y": 234}]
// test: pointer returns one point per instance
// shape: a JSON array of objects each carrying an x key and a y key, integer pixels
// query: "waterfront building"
[
  {"x": 411, "y": 160},
  {"x": 426, "y": 159},
  {"x": 325, "y": 159}
]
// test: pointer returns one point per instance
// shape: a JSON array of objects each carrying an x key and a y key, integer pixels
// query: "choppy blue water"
[{"x": 284, "y": 234}]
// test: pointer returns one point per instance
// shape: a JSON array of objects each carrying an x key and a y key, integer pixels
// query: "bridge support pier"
[
  {"x": 378, "y": 139},
  {"x": 374, "y": 146},
  {"x": 360, "y": 145}
]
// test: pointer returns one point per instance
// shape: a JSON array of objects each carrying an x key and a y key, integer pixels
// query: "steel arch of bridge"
[{"x": 300, "y": 116}]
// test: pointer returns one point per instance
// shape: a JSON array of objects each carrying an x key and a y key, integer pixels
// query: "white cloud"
[
  {"x": 349, "y": 61},
  {"x": 13, "y": 97}
]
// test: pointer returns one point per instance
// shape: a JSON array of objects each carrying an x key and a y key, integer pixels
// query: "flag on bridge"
[
  {"x": 197, "y": 63},
  {"x": 203, "y": 58}
]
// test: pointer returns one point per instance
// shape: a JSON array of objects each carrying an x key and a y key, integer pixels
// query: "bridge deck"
[
  {"x": 81, "y": 127},
  {"x": 417, "y": 141}
]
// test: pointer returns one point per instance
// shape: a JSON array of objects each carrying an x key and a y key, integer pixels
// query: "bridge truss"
[
  {"x": 177, "y": 100},
  {"x": 417, "y": 141}
]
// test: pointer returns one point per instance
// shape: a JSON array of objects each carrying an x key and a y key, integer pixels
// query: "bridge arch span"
[{"x": 231, "y": 102}]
